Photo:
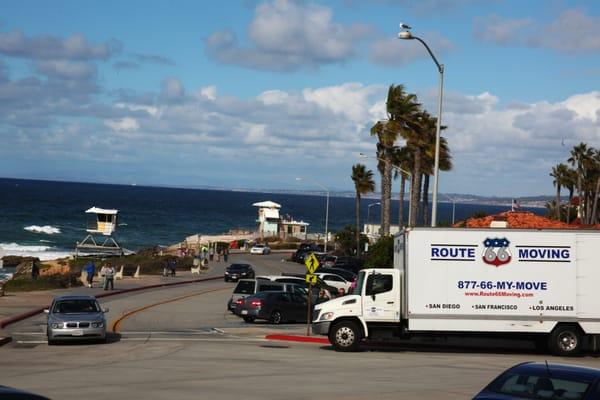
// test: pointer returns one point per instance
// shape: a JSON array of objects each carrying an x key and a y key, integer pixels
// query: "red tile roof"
[{"x": 522, "y": 220}]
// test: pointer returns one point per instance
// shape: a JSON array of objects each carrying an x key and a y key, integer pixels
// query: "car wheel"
[
  {"x": 345, "y": 336},
  {"x": 276, "y": 317},
  {"x": 565, "y": 340},
  {"x": 249, "y": 319}
]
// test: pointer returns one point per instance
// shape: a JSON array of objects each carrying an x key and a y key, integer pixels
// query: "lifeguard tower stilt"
[{"x": 105, "y": 224}]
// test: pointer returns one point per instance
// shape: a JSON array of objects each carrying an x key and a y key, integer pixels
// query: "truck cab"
[{"x": 376, "y": 302}]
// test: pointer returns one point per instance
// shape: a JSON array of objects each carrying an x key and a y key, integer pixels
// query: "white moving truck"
[{"x": 536, "y": 284}]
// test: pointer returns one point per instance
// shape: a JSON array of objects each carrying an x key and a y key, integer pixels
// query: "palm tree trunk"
[
  {"x": 401, "y": 201},
  {"x": 557, "y": 204},
  {"x": 588, "y": 201},
  {"x": 426, "y": 200},
  {"x": 415, "y": 188},
  {"x": 357, "y": 224},
  {"x": 386, "y": 188},
  {"x": 595, "y": 209},
  {"x": 569, "y": 206}
]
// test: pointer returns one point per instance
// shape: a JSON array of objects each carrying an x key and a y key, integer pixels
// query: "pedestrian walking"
[
  {"x": 35, "y": 270},
  {"x": 218, "y": 255},
  {"x": 90, "y": 269},
  {"x": 109, "y": 276},
  {"x": 225, "y": 254},
  {"x": 211, "y": 253},
  {"x": 173, "y": 266}
]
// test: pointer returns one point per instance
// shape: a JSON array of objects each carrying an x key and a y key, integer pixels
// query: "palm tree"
[
  {"x": 559, "y": 173},
  {"x": 363, "y": 184},
  {"x": 580, "y": 156},
  {"x": 401, "y": 108},
  {"x": 402, "y": 158},
  {"x": 428, "y": 164},
  {"x": 569, "y": 182}
]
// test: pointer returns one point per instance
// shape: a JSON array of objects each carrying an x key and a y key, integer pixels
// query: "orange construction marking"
[{"x": 114, "y": 326}]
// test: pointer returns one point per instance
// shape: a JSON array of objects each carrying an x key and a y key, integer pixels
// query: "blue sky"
[{"x": 251, "y": 94}]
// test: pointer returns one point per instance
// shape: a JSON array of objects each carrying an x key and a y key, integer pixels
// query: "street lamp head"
[{"x": 406, "y": 35}]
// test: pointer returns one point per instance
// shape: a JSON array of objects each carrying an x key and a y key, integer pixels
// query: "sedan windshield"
[{"x": 75, "y": 307}]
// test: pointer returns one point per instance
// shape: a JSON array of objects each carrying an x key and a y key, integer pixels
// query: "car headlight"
[
  {"x": 97, "y": 324},
  {"x": 226, "y": 273},
  {"x": 55, "y": 325},
  {"x": 326, "y": 316}
]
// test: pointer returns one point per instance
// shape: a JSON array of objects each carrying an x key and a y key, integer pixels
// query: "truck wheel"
[
  {"x": 345, "y": 336},
  {"x": 249, "y": 319},
  {"x": 565, "y": 340}
]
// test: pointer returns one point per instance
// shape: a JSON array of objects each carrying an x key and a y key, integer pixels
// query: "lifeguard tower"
[{"x": 105, "y": 224}]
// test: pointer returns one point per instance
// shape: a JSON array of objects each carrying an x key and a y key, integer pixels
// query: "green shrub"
[
  {"x": 381, "y": 254},
  {"x": 57, "y": 281}
]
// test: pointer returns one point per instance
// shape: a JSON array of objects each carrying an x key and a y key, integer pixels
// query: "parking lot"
[{"x": 181, "y": 343}]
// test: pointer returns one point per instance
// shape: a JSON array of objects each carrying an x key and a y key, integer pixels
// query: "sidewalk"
[{"x": 15, "y": 304}]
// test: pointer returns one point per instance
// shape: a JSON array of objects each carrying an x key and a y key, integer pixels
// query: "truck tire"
[
  {"x": 565, "y": 340},
  {"x": 345, "y": 336}
]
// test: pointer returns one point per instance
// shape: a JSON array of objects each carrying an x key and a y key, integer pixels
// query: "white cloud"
[
  {"x": 210, "y": 92},
  {"x": 273, "y": 97},
  {"x": 391, "y": 51},
  {"x": 123, "y": 125},
  {"x": 287, "y": 35},
  {"x": 572, "y": 32}
]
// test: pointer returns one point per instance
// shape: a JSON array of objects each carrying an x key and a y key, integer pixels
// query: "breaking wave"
[
  {"x": 41, "y": 252},
  {"x": 47, "y": 229}
]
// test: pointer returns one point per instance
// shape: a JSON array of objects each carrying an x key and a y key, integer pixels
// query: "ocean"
[{"x": 45, "y": 218}]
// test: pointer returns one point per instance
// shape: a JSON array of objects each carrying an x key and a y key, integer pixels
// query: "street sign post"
[{"x": 312, "y": 263}]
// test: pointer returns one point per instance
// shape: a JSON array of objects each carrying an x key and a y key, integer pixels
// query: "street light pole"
[
  {"x": 407, "y": 35},
  {"x": 326, "y": 209},
  {"x": 369, "y": 215}
]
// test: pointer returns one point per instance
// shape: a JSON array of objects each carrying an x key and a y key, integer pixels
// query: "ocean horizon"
[{"x": 46, "y": 218}]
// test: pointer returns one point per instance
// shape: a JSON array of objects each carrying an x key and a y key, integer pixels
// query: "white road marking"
[
  {"x": 31, "y": 341},
  {"x": 29, "y": 333},
  {"x": 194, "y": 339}
]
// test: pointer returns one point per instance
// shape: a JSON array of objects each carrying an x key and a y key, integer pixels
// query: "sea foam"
[
  {"x": 41, "y": 252},
  {"x": 47, "y": 229}
]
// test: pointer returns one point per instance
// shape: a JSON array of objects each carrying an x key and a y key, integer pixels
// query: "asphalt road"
[{"x": 185, "y": 345}]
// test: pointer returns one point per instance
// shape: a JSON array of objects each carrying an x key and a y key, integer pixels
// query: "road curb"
[
  {"x": 296, "y": 338},
  {"x": 19, "y": 317}
]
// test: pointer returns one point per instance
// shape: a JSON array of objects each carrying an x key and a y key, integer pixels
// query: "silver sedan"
[{"x": 76, "y": 318}]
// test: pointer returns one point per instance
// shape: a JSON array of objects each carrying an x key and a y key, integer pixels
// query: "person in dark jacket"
[{"x": 90, "y": 270}]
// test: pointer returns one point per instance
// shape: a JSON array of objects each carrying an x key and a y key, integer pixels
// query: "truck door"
[{"x": 381, "y": 302}]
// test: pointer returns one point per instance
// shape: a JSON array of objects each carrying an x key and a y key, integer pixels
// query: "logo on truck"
[{"x": 496, "y": 251}]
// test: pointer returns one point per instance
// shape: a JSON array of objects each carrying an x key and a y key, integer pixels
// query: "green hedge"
[{"x": 57, "y": 281}]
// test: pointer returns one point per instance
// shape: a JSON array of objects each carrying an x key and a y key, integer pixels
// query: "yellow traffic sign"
[
  {"x": 312, "y": 279},
  {"x": 311, "y": 263}
]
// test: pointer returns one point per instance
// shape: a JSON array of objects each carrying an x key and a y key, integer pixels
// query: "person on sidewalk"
[
  {"x": 172, "y": 266},
  {"x": 211, "y": 253},
  {"x": 35, "y": 270},
  {"x": 225, "y": 254},
  {"x": 90, "y": 269},
  {"x": 109, "y": 276}
]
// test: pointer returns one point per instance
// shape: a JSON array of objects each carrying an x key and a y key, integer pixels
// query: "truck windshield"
[{"x": 359, "y": 284}]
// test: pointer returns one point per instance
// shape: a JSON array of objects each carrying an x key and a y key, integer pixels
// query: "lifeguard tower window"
[{"x": 105, "y": 218}]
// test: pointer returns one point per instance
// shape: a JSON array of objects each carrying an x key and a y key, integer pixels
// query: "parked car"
[
  {"x": 349, "y": 263},
  {"x": 334, "y": 280},
  {"x": 9, "y": 393},
  {"x": 532, "y": 380},
  {"x": 304, "y": 249},
  {"x": 332, "y": 291},
  {"x": 75, "y": 318},
  {"x": 260, "y": 249},
  {"x": 344, "y": 273},
  {"x": 276, "y": 307},
  {"x": 248, "y": 287},
  {"x": 236, "y": 272}
]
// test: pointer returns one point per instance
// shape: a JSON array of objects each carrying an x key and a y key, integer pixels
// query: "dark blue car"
[{"x": 544, "y": 381}]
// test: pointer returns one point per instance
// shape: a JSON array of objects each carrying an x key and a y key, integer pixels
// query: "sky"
[{"x": 252, "y": 94}]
